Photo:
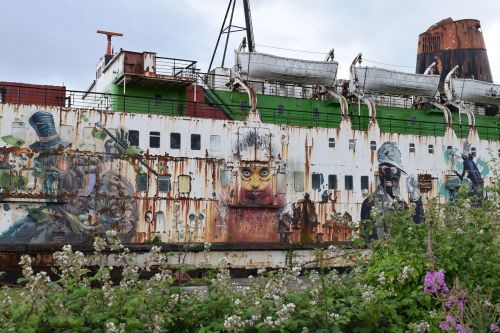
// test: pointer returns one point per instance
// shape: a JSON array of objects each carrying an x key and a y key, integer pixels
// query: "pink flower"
[{"x": 434, "y": 283}]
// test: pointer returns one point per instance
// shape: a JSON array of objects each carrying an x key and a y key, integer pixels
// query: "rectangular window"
[
  {"x": 332, "y": 182},
  {"x": 195, "y": 141},
  {"x": 215, "y": 143},
  {"x": 142, "y": 182},
  {"x": 280, "y": 109},
  {"x": 352, "y": 144},
  {"x": 2, "y": 96},
  {"x": 298, "y": 181},
  {"x": 154, "y": 139},
  {"x": 316, "y": 181},
  {"x": 175, "y": 140},
  {"x": 281, "y": 183},
  {"x": 164, "y": 184},
  {"x": 473, "y": 150},
  {"x": 184, "y": 184},
  {"x": 133, "y": 138},
  {"x": 373, "y": 145},
  {"x": 412, "y": 147},
  {"x": 348, "y": 183},
  {"x": 331, "y": 142},
  {"x": 450, "y": 148},
  {"x": 365, "y": 183},
  {"x": 157, "y": 99},
  {"x": 431, "y": 149}
]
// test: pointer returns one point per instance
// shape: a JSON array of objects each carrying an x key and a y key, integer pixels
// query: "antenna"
[{"x": 109, "y": 34}]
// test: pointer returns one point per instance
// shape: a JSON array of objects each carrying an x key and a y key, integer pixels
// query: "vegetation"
[{"x": 439, "y": 276}]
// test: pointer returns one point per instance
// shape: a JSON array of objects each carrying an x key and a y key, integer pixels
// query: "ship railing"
[
  {"x": 175, "y": 67},
  {"x": 280, "y": 114}
]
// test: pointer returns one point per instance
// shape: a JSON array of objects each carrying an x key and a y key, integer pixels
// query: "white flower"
[
  {"x": 261, "y": 271},
  {"x": 381, "y": 278},
  {"x": 481, "y": 231},
  {"x": 237, "y": 301}
]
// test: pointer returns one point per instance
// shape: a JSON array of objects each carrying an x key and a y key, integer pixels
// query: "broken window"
[
  {"x": 431, "y": 149},
  {"x": 184, "y": 184},
  {"x": 331, "y": 142},
  {"x": 154, "y": 139},
  {"x": 195, "y": 141},
  {"x": 365, "y": 183},
  {"x": 175, "y": 140},
  {"x": 133, "y": 138},
  {"x": 473, "y": 150},
  {"x": 373, "y": 145},
  {"x": 316, "y": 180},
  {"x": 412, "y": 147},
  {"x": 348, "y": 183},
  {"x": 298, "y": 181},
  {"x": 215, "y": 143},
  {"x": 142, "y": 182},
  {"x": 332, "y": 182},
  {"x": 164, "y": 183}
]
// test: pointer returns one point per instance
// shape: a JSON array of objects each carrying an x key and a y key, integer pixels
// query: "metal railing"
[
  {"x": 212, "y": 109},
  {"x": 176, "y": 67}
]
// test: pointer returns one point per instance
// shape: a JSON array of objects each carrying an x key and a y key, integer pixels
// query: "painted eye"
[
  {"x": 264, "y": 172},
  {"x": 246, "y": 172}
]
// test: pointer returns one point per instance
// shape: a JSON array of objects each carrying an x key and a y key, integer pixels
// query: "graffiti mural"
[
  {"x": 249, "y": 211},
  {"x": 470, "y": 176},
  {"x": 387, "y": 196},
  {"x": 74, "y": 206}
]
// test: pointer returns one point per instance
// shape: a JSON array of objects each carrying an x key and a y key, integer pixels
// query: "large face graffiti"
[{"x": 256, "y": 185}]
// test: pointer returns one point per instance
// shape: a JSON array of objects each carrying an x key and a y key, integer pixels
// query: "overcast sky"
[{"x": 55, "y": 41}]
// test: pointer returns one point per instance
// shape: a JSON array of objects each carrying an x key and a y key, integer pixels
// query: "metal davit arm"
[
  {"x": 353, "y": 89},
  {"x": 253, "y": 115}
]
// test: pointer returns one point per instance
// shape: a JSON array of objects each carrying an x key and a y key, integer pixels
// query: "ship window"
[
  {"x": 450, "y": 148},
  {"x": 412, "y": 147},
  {"x": 184, "y": 184},
  {"x": 164, "y": 184},
  {"x": 133, "y": 138},
  {"x": 280, "y": 109},
  {"x": 352, "y": 144},
  {"x": 473, "y": 150},
  {"x": 180, "y": 109},
  {"x": 2, "y": 96},
  {"x": 298, "y": 181},
  {"x": 158, "y": 99},
  {"x": 498, "y": 153},
  {"x": 315, "y": 114},
  {"x": 65, "y": 132},
  {"x": 331, "y": 142},
  {"x": 316, "y": 180},
  {"x": 244, "y": 106},
  {"x": 195, "y": 141},
  {"x": 373, "y": 145},
  {"x": 142, "y": 182},
  {"x": 154, "y": 139},
  {"x": 332, "y": 182},
  {"x": 215, "y": 143},
  {"x": 431, "y": 149},
  {"x": 175, "y": 140},
  {"x": 281, "y": 183},
  {"x": 348, "y": 183},
  {"x": 364, "y": 183}
]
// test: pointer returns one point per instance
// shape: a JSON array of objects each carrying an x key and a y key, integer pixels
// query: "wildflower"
[
  {"x": 261, "y": 271},
  {"x": 420, "y": 327},
  {"x": 381, "y": 278},
  {"x": 237, "y": 302},
  {"x": 444, "y": 326},
  {"x": 494, "y": 328},
  {"x": 434, "y": 283},
  {"x": 232, "y": 322}
]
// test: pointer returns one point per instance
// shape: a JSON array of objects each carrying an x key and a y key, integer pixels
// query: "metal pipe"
[{"x": 248, "y": 22}]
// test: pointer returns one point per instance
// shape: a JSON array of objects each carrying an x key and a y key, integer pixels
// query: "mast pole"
[
  {"x": 220, "y": 34},
  {"x": 248, "y": 22}
]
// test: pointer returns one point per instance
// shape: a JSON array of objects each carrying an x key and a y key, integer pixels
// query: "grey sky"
[{"x": 54, "y": 42}]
